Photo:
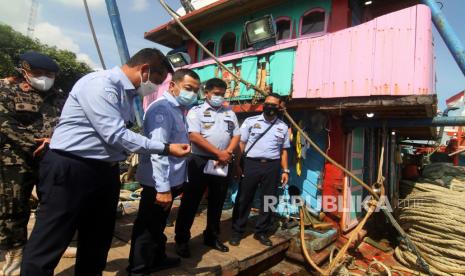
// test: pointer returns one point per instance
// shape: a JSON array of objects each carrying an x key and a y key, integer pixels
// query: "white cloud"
[
  {"x": 93, "y": 4},
  {"x": 17, "y": 14},
  {"x": 140, "y": 5},
  {"x": 53, "y": 35},
  {"x": 86, "y": 59}
]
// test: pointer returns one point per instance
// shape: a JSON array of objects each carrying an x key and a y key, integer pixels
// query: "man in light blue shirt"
[
  {"x": 79, "y": 176},
  {"x": 162, "y": 177},
  {"x": 264, "y": 144}
]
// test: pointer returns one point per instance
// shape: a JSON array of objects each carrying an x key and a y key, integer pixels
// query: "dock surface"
[{"x": 249, "y": 257}]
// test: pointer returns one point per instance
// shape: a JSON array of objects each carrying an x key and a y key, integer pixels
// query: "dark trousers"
[
  {"x": 148, "y": 241},
  {"x": 255, "y": 173},
  {"x": 193, "y": 192},
  {"x": 75, "y": 194}
]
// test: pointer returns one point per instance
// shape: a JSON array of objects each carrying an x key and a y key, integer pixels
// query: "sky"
[{"x": 63, "y": 23}]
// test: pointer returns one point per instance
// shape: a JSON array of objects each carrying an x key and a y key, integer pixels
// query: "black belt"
[
  {"x": 86, "y": 160},
  {"x": 206, "y": 157},
  {"x": 262, "y": 160}
]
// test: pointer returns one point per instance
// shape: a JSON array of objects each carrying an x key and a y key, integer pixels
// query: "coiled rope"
[{"x": 434, "y": 218}]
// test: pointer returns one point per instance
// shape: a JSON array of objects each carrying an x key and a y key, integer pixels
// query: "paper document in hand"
[{"x": 212, "y": 167}]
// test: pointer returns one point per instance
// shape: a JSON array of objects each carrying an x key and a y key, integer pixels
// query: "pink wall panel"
[
  {"x": 319, "y": 51},
  {"x": 302, "y": 66},
  {"x": 394, "y": 53},
  {"x": 424, "y": 65},
  {"x": 340, "y": 65},
  {"x": 361, "y": 59},
  {"x": 390, "y": 55}
]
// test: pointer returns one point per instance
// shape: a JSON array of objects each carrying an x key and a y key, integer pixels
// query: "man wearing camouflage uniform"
[{"x": 29, "y": 110}]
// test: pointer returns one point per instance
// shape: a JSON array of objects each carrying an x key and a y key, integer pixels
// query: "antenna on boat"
[
  {"x": 32, "y": 18},
  {"x": 91, "y": 25},
  {"x": 187, "y": 5}
]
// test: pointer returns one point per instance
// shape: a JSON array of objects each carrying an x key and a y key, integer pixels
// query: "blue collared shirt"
[
  {"x": 217, "y": 126},
  {"x": 94, "y": 117},
  {"x": 164, "y": 121},
  {"x": 271, "y": 144}
]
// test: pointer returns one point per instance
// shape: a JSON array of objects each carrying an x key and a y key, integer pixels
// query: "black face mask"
[{"x": 270, "y": 110}]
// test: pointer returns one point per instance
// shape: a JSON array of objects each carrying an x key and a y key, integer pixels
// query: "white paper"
[{"x": 212, "y": 168}]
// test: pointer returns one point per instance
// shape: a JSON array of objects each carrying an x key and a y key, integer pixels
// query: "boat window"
[
  {"x": 210, "y": 45},
  {"x": 283, "y": 28},
  {"x": 244, "y": 44},
  {"x": 228, "y": 43},
  {"x": 312, "y": 22}
]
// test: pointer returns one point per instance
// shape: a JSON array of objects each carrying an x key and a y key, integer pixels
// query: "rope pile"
[
  {"x": 445, "y": 175},
  {"x": 433, "y": 216}
]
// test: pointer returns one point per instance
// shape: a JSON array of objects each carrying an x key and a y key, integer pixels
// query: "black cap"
[{"x": 35, "y": 60}]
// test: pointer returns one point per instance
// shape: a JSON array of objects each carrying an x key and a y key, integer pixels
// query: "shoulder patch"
[
  {"x": 112, "y": 98},
  {"x": 159, "y": 118}
]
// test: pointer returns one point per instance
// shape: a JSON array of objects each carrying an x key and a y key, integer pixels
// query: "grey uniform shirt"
[
  {"x": 271, "y": 144},
  {"x": 217, "y": 126}
]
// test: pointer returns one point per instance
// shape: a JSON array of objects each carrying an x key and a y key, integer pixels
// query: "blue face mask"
[
  {"x": 186, "y": 98},
  {"x": 216, "y": 101}
]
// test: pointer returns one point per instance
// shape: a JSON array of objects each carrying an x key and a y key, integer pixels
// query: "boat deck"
[{"x": 249, "y": 257}]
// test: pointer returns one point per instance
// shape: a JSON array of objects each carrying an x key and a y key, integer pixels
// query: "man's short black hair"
[
  {"x": 155, "y": 58},
  {"x": 215, "y": 82},
  {"x": 275, "y": 95},
  {"x": 181, "y": 73}
]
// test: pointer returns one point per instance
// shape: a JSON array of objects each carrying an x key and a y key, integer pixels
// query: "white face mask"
[
  {"x": 146, "y": 88},
  {"x": 216, "y": 101},
  {"x": 42, "y": 83}
]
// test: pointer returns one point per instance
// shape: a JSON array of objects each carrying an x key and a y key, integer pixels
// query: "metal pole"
[
  {"x": 91, "y": 25},
  {"x": 123, "y": 51},
  {"x": 447, "y": 33},
  {"x": 118, "y": 31}
]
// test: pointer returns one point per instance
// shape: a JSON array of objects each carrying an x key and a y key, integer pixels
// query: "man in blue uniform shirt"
[
  {"x": 214, "y": 133},
  {"x": 264, "y": 144},
  {"x": 162, "y": 177},
  {"x": 79, "y": 176}
]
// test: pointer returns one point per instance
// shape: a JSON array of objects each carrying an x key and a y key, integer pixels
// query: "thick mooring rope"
[{"x": 434, "y": 218}]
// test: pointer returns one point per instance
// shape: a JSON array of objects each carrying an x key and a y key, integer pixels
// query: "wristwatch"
[
  {"x": 286, "y": 171},
  {"x": 166, "y": 149}
]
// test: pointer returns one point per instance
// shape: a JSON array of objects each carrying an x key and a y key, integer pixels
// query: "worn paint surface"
[
  {"x": 353, "y": 191},
  {"x": 292, "y": 9},
  {"x": 310, "y": 180},
  {"x": 390, "y": 55}
]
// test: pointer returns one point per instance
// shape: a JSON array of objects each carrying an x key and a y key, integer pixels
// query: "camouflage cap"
[{"x": 34, "y": 60}]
